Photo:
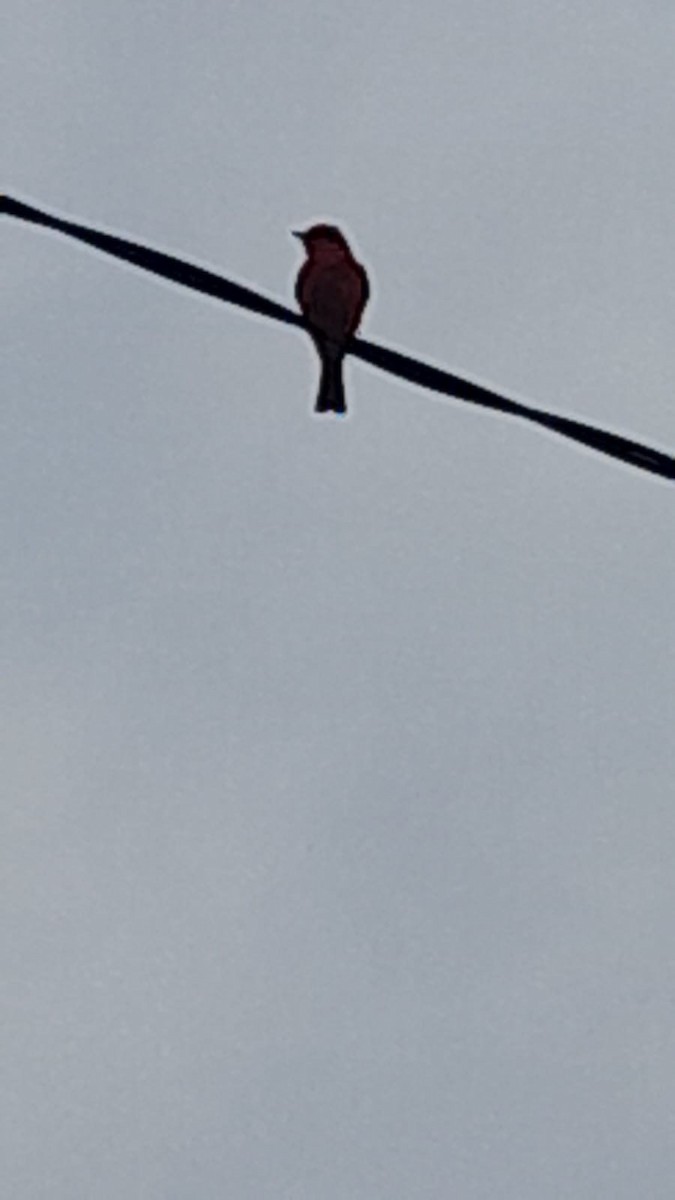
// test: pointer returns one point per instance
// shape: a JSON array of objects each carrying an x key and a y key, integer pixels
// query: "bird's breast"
[{"x": 331, "y": 298}]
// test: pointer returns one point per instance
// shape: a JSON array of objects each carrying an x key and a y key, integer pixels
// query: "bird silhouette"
[{"x": 332, "y": 290}]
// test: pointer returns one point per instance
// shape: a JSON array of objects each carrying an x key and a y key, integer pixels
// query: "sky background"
[{"x": 338, "y": 838}]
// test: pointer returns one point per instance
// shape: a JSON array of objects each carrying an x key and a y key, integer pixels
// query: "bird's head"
[{"x": 323, "y": 240}]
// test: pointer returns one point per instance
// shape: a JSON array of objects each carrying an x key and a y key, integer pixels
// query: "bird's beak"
[{"x": 296, "y": 233}]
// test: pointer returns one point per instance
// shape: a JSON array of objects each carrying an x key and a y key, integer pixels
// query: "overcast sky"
[{"x": 338, "y": 831}]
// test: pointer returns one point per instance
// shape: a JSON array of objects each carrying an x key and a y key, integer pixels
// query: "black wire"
[{"x": 424, "y": 375}]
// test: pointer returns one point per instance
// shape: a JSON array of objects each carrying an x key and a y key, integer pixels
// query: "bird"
[{"x": 332, "y": 290}]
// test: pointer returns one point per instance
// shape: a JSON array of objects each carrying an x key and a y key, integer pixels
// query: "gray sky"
[{"x": 338, "y": 835}]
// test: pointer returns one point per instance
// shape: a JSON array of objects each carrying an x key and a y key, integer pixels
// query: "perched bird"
[{"x": 332, "y": 291}]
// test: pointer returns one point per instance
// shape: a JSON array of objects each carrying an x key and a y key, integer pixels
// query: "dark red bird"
[{"x": 332, "y": 291}]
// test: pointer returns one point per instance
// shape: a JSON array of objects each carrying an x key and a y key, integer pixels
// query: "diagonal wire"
[{"x": 167, "y": 266}]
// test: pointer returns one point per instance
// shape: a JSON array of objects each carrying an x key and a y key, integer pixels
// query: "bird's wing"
[
  {"x": 300, "y": 284},
  {"x": 365, "y": 287}
]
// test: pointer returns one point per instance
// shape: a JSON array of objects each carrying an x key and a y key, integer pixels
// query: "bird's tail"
[{"x": 331, "y": 397}]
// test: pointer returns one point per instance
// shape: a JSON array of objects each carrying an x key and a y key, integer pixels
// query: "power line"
[{"x": 167, "y": 266}]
